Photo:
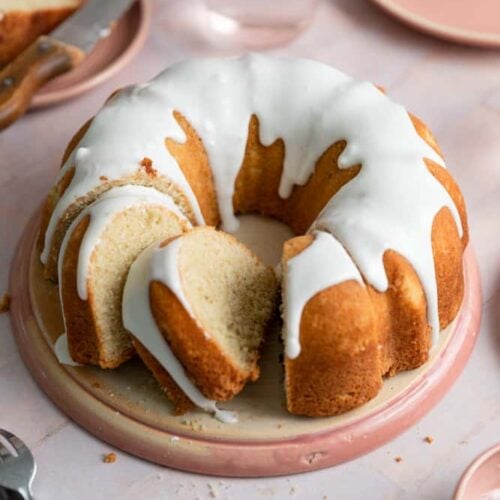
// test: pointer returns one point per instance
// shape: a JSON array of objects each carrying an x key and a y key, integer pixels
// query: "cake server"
[{"x": 54, "y": 54}]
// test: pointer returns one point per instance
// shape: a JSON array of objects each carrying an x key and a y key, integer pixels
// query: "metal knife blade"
[{"x": 90, "y": 23}]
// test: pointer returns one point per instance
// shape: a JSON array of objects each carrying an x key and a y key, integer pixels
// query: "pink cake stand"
[{"x": 125, "y": 407}]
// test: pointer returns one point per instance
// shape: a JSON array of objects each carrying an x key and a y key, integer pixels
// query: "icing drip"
[
  {"x": 310, "y": 106},
  {"x": 164, "y": 268},
  {"x": 131, "y": 126},
  {"x": 322, "y": 264},
  {"x": 139, "y": 320},
  {"x": 392, "y": 202},
  {"x": 101, "y": 213},
  {"x": 61, "y": 351}
]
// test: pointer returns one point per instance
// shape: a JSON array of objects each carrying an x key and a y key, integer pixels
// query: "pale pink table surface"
[{"x": 457, "y": 91}]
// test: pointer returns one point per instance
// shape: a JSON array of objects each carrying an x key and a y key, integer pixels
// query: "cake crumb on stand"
[
  {"x": 4, "y": 303},
  {"x": 398, "y": 460},
  {"x": 109, "y": 458},
  {"x": 428, "y": 439},
  {"x": 212, "y": 490}
]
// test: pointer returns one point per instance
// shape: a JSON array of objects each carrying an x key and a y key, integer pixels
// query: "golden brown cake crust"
[
  {"x": 182, "y": 403},
  {"x": 193, "y": 161},
  {"x": 57, "y": 191},
  {"x": 339, "y": 363},
  {"x": 256, "y": 186},
  {"x": 403, "y": 329},
  {"x": 401, "y": 313},
  {"x": 210, "y": 369},
  {"x": 84, "y": 335}
]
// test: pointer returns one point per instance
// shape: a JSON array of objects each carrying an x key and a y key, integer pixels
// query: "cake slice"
[
  {"x": 198, "y": 306},
  {"x": 22, "y": 21},
  {"x": 95, "y": 258}
]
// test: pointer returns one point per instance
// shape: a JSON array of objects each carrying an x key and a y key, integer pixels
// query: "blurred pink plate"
[
  {"x": 108, "y": 57},
  {"x": 126, "y": 408},
  {"x": 475, "y": 22},
  {"x": 481, "y": 480}
]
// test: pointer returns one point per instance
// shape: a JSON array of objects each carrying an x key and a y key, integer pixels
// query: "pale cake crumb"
[
  {"x": 212, "y": 491},
  {"x": 4, "y": 303},
  {"x": 109, "y": 458},
  {"x": 194, "y": 425}
]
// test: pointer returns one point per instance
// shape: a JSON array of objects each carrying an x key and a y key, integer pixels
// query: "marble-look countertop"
[{"x": 456, "y": 90}]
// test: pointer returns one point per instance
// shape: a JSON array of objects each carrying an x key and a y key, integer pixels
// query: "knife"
[{"x": 54, "y": 54}]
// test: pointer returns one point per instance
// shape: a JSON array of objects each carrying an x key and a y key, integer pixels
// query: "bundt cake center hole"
[{"x": 264, "y": 236}]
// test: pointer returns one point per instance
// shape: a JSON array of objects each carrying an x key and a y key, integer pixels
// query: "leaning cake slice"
[{"x": 198, "y": 306}]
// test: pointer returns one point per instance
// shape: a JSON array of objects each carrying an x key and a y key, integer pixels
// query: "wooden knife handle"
[{"x": 43, "y": 60}]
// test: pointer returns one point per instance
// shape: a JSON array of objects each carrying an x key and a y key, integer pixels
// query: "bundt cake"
[
  {"x": 197, "y": 306},
  {"x": 376, "y": 268},
  {"x": 22, "y": 21},
  {"x": 96, "y": 254}
]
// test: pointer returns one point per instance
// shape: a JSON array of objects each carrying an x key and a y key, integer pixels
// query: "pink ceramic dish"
[
  {"x": 126, "y": 408},
  {"x": 481, "y": 480},
  {"x": 474, "y": 22},
  {"x": 109, "y": 56}
]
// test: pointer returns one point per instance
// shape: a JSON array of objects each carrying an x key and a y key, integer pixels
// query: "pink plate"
[
  {"x": 126, "y": 408},
  {"x": 108, "y": 57},
  {"x": 482, "y": 477},
  {"x": 474, "y": 22}
]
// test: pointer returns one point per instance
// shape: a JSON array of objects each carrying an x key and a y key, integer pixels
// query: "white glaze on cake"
[
  {"x": 139, "y": 320},
  {"x": 390, "y": 204},
  {"x": 322, "y": 264},
  {"x": 165, "y": 269},
  {"x": 131, "y": 126},
  {"x": 101, "y": 214}
]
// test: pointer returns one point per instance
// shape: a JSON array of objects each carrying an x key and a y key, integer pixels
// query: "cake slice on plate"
[{"x": 198, "y": 306}]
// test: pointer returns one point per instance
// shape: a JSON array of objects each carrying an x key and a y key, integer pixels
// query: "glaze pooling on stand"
[
  {"x": 139, "y": 320},
  {"x": 61, "y": 350},
  {"x": 101, "y": 213},
  {"x": 390, "y": 204},
  {"x": 322, "y": 264}
]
